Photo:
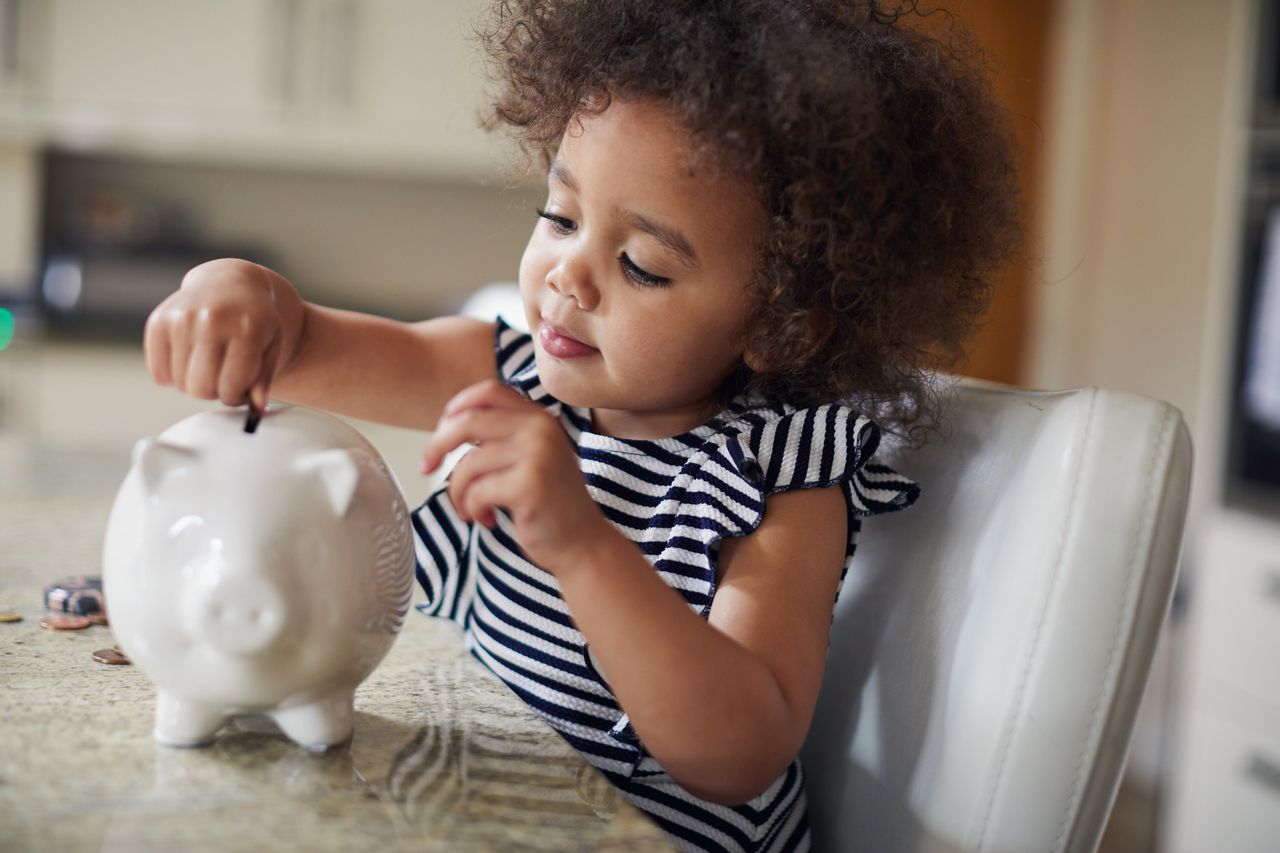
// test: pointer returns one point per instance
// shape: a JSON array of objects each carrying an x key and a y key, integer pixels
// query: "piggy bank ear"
[
  {"x": 339, "y": 475},
  {"x": 155, "y": 459}
]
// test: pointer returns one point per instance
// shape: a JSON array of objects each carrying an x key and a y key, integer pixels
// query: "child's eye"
[
  {"x": 559, "y": 224},
  {"x": 640, "y": 276}
]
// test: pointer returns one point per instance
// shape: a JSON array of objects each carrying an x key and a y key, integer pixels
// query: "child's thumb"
[{"x": 258, "y": 396}]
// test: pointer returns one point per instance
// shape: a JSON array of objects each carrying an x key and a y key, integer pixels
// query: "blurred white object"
[
  {"x": 500, "y": 299},
  {"x": 991, "y": 646},
  {"x": 265, "y": 573},
  {"x": 1262, "y": 367}
]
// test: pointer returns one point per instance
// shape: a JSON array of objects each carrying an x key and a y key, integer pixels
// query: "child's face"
[{"x": 634, "y": 281}]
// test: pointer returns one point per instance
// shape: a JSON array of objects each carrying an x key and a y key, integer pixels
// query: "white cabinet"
[
  {"x": 223, "y": 59},
  {"x": 19, "y": 193},
  {"x": 375, "y": 85},
  {"x": 1226, "y": 780},
  {"x": 416, "y": 77},
  {"x": 19, "y": 40}
]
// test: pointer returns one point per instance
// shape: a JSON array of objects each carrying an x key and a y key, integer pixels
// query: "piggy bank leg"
[
  {"x": 183, "y": 722},
  {"x": 319, "y": 724}
]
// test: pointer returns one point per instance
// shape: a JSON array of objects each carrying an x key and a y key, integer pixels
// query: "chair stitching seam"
[
  {"x": 1124, "y": 627},
  {"x": 1007, "y": 738}
]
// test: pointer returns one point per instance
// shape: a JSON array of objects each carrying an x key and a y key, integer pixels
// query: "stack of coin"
[
  {"x": 79, "y": 594},
  {"x": 80, "y": 602}
]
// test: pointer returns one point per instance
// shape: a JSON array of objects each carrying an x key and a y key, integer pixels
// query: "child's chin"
[{"x": 559, "y": 380}]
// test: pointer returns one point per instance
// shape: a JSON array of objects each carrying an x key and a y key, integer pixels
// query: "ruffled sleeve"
[
  {"x": 441, "y": 543},
  {"x": 721, "y": 491},
  {"x": 824, "y": 446}
]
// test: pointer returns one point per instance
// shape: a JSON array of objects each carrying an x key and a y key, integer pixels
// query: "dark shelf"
[{"x": 1252, "y": 480}]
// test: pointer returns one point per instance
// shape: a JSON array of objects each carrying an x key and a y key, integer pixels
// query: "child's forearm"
[
  {"x": 706, "y": 708},
  {"x": 382, "y": 370},
  {"x": 359, "y": 365}
]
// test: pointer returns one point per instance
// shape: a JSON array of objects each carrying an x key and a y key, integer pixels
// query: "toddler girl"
[{"x": 764, "y": 222}]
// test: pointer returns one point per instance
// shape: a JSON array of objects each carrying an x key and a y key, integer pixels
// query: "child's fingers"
[
  {"x": 480, "y": 505},
  {"x": 204, "y": 368},
  {"x": 464, "y": 419},
  {"x": 486, "y": 494},
  {"x": 489, "y": 394},
  {"x": 241, "y": 368},
  {"x": 247, "y": 370},
  {"x": 468, "y": 426},
  {"x": 266, "y": 374},
  {"x": 155, "y": 341},
  {"x": 179, "y": 358},
  {"x": 479, "y": 463}
]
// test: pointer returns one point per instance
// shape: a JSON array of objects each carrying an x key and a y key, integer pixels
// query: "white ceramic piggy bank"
[{"x": 263, "y": 573}]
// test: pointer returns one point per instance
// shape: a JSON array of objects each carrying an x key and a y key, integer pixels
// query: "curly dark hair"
[{"x": 867, "y": 130}]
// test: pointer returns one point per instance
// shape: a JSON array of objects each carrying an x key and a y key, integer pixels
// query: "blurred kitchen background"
[{"x": 337, "y": 141}]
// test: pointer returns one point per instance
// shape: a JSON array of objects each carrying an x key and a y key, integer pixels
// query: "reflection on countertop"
[{"x": 444, "y": 756}]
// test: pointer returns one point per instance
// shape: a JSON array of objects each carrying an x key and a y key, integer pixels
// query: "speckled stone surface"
[{"x": 444, "y": 756}]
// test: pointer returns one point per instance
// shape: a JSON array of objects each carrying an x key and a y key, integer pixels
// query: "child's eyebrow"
[
  {"x": 669, "y": 237},
  {"x": 560, "y": 172}
]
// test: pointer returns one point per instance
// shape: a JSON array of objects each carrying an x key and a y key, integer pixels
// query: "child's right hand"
[{"x": 225, "y": 333}]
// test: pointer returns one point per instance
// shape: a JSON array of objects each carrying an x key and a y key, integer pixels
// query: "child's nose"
[{"x": 572, "y": 280}]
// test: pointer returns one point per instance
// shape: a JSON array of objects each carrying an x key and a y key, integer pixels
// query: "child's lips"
[{"x": 559, "y": 345}]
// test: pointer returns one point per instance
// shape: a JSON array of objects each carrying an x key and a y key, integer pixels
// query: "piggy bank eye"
[
  {"x": 186, "y": 527},
  {"x": 186, "y": 537}
]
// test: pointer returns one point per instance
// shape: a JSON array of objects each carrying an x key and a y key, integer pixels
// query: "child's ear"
[
  {"x": 755, "y": 362},
  {"x": 821, "y": 326}
]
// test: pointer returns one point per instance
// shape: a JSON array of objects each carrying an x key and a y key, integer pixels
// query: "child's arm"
[
  {"x": 235, "y": 328},
  {"x": 723, "y": 705}
]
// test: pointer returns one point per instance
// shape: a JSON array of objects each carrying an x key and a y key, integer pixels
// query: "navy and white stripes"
[{"x": 676, "y": 498}]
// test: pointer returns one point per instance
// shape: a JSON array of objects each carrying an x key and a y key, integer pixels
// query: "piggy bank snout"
[{"x": 241, "y": 614}]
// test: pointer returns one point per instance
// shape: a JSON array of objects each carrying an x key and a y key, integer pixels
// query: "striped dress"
[{"x": 676, "y": 498}]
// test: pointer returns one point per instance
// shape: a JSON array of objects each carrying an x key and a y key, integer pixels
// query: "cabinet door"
[
  {"x": 411, "y": 75},
  {"x": 211, "y": 57},
  {"x": 22, "y": 35}
]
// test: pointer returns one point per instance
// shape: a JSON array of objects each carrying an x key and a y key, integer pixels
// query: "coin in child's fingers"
[
  {"x": 64, "y": 623},
  {"x": 112, "y": 657},
  {"x": 10, "y": 616},
  {"x": 97, "y": 617}
]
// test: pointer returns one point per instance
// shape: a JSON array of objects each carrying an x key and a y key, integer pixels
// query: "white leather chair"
[{"x": 992, "y": 642}]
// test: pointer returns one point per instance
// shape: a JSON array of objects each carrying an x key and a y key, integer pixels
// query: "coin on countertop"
[
  {"x": 114, "y": 657},
  {"x": 64, "y": 623},
  {"x": 10, "y": 616},
  {"x": 79, "y": 594}
]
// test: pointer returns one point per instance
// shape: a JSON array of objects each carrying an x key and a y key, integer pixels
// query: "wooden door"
[{"x": 1015, "y": 35}]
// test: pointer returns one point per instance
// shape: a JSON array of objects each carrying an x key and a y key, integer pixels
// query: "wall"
[
  {"x": 1137, "y": 132},
  {"x": 1013, "y": 37},
  {"x": 1140, "y": 186}
]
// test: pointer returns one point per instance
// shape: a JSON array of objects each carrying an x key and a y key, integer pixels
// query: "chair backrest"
[{"x": 992, "y": 642}]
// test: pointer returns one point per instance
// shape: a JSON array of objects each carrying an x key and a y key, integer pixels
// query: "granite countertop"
[{"x": 444, "y": 756}]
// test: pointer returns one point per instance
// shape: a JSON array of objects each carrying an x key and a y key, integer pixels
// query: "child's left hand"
[{"x": 524, "y": 463}]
